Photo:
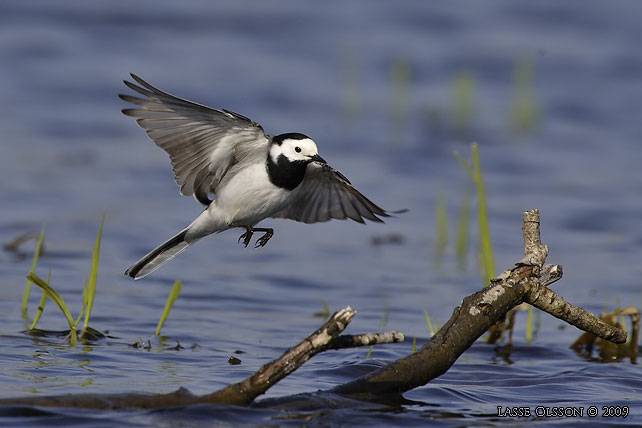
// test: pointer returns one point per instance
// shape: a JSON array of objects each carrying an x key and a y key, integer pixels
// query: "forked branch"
[{"x": 526, "y": 282}]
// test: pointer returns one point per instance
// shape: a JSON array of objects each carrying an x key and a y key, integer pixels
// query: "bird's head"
[{"x": 294, "y": 147}]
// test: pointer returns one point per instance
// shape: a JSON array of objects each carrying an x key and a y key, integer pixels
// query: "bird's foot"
[
  {"x": 249, "y": 232},
  {"x": 247, "y": 236},
  {"x": 265, "y": 238}
]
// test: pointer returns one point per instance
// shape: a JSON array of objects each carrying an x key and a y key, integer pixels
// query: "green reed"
[
  {"x": 486, "y": 249},
  {"x": 441, "y": 217},
  {"x": 463, "y": 219},
  {"x": 325, "y": 310},
  {"x": 41, "y": 304},
  {"x": 463, "y": 92},
  {"x": 432, "y": 327},
  {"x": 59, "y": 301},
  {"x": 89, "y": 291},
  {"x": 34, "y": 262},
  {"x": 400, "y": 73},
  {"x": 524, "y": 112},
  {"x": 88, "y": 294},
  {"x": 173, "y": 295},
  {"x": 382, "y": 322}
]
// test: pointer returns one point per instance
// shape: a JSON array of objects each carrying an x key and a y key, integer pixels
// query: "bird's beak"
[{"x": 317, "y": 158}]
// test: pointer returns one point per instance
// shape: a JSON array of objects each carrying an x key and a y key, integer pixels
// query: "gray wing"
[
  {"x": 202, "y": 142},
  {"x": 325, "y": 194}
]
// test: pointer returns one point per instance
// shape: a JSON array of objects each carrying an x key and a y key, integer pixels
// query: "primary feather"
[{"x": 202, "y": 142}]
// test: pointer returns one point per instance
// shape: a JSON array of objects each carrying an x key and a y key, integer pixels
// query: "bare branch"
[
  {"x": 477, "y": 314},
  {"x": 366, "y": 339},
  {"x": 246, "y": 391},
  {"x": 547, "y": 300},
  {"x": 534, "y": 251},
  {"x": 550, "y": 274},
  {"x": 468, "y": 322}
]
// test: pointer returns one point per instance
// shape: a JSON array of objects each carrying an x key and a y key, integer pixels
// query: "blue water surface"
[{"x": 379, "y": 88}]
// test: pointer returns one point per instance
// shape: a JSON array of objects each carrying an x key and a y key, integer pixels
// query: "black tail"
[{"x": 159, "y": 256}]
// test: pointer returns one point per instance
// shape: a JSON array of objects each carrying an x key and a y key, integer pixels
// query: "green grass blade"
[
  {"x": 488, "y": 263},
  {"x": 384, "y": 320},
  {"x": 84, "y": 305},
  {"x": 53, "y": 295},
  {"x": 486, "y": 250},
  {"x": 431, "y": 328},
  {"x": 36, "y": 255},
  {"x": 524, "y": 111},
  {"x": 441, "y": 217},
  {"x": 58, "y": 300},
  {"x": 463, "y": 96},
  {"x": 41, "y": 305},
  {"x": 463, "y": 219},
  {"x": 464, "y": 165},
  {"x": 173, "y": 295},
  {"x": 93, "y": 274},
  {"x": 73, "y": 339},
  {"x": 400, "y": 74},
  {"x": 325, "y": 310},
  {"x": 414, "y": 345}
]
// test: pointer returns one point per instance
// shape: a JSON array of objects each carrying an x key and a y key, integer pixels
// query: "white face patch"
[{"x": 294, "y": 150}]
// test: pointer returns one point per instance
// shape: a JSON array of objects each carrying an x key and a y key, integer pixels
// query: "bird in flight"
[{"x": 252, "y": 176}]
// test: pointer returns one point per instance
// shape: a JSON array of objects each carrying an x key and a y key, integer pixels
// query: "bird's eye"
[{"x": 297, "y": 149}]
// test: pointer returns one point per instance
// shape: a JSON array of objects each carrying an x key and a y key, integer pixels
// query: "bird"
[{"x": 241, "y": 174}]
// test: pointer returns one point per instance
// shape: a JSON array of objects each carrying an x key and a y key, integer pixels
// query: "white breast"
[{"x": 249, "y": 197}]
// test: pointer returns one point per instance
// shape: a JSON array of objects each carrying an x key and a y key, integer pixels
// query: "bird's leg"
[
  {"x": 247, "y": 236},
  {"x": 269, "y": 232},
  {"x": 249, "y": 231}
]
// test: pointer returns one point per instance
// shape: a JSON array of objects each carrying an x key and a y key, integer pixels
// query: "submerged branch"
[
  {"x": 242, "y": 393},
  {"x": 323, "y": 339},
  {"x": 526, "y": 282}
]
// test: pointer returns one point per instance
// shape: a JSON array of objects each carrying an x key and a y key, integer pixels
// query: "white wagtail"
[{"x": 253, "y": 175}]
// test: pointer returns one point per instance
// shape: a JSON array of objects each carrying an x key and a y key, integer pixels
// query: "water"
[{"x": 67, "y": 156}]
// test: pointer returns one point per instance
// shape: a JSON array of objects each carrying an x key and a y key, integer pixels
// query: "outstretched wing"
[
  {"x": 325, "y": 194},
  {"x": 202, "y": 142}
]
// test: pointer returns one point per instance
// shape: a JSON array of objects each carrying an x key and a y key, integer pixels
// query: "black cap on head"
[{"x": 278, "y": 139}]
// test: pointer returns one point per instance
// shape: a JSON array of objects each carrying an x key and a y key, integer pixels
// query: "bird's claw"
[
  {"x": 246, "y": 237},
  {"x": 249, "y": 232},
  {"x": 264, "y": 239}
]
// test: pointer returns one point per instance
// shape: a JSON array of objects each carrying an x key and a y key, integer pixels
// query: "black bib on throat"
[{"x": 285, "y": 173}]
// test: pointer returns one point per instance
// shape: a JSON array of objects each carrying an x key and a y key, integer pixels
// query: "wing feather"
[
  {"x": 326, "y": 194},
  {"x": 307, "y": 208},
  {"x": 335, "y": 209},
  {"x": 202, "y": 142},
  {"x": 323, "y": 210}
]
